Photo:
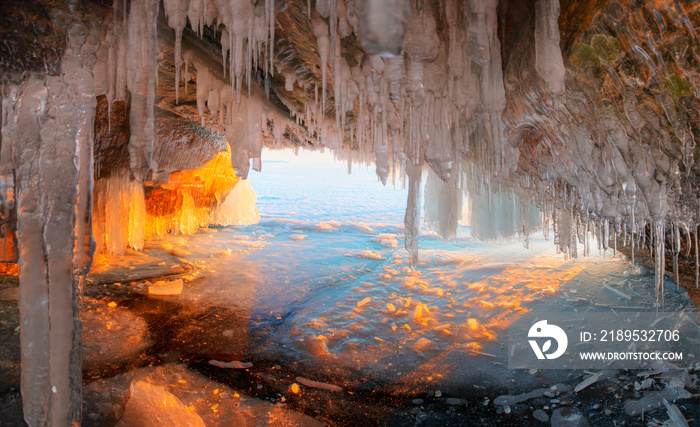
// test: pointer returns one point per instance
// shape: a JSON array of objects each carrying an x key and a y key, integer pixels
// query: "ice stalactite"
[
  {"x": 549, "y": 61},
  {"x": 412, "y": 217},
  {"x": 143, "y": 66},
  {"x": 497, "y": 215},
  {"x": 659, "y": 236},
  {"x": 176, "y": 10},
  {"x": 48, "y": 121},
  {"x": 484, "y": 48},
  {"x": 324, "y": 44},
  {"x": 120, "y": 214},
  {"x": 382, "y": 24},
  {"x": 127, "y": 212},
  {"x": 443, "y": 205}
]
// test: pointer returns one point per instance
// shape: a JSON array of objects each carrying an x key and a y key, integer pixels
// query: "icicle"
[
  {"x": 270, "y": 7},
  {"x": 549, "y": 62},
  {"x": 176, "y": 11},
  {"x": 659, "y": 260},
  {"x": 321, "y": 31},
  {"x": 142, "y": 75},
  {"x": 676, "y": 238},
  {"x": 412, "y": 217}
]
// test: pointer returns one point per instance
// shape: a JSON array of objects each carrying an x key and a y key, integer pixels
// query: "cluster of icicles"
[{"x": 421, "y": 100}]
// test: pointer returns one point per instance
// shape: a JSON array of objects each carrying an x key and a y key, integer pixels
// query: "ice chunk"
[
  {"x": 234, "y": 364},
  {"x": 166, "y": 287}
]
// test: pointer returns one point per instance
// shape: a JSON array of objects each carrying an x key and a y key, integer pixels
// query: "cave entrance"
[{"x": 313, "y": 305}]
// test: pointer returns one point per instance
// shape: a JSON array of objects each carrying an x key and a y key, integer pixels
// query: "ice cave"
[{"x": 349, "y": 212}]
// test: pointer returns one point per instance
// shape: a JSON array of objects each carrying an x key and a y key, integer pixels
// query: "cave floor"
[{"x": 338, "y": 306}]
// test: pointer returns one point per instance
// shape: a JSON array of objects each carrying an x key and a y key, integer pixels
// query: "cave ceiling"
[{"x": 620, "y": 131}]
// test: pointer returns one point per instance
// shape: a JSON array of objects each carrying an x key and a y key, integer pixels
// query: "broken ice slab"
[
  {"x": 136, "y": 266},
  {"x": 106, "y": 402},
  {"x": 166, "y": 287}
]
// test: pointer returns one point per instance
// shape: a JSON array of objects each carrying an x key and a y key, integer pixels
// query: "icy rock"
[
  {"x": 152, "y": 406},
  {"x": 455, "y": 401},
  {"x": 540, "y": 415},
  {"x": 166, "y": 287},
  {"x": 568, "y": 417}
]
